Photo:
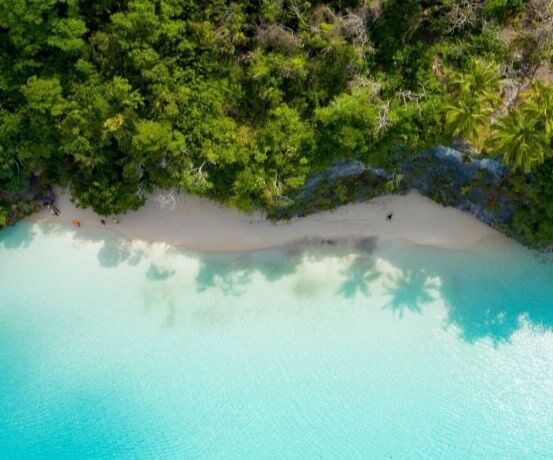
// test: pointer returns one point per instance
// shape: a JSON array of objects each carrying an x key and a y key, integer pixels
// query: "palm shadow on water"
[
  {"x": 408, "y": 291},
  {"x": 488, "y": 292},
  {"x": 157, "y": 272},
  {"x": 232, "y": 273},
  {"x": 358, "y": 276},
  {"x": 116, "y": 251},
  {"x": 495, "y": 297}
]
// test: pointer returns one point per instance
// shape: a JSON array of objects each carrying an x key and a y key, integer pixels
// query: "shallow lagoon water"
[{"x": 111, "y": 348}]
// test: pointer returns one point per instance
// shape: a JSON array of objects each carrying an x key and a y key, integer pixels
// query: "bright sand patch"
[{"x": 201, "y": 224}]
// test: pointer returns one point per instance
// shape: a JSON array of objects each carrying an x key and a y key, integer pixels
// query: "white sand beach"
[{"x": 201, "y": 224}]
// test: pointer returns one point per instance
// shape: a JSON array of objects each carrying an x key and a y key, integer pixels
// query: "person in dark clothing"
[
  {"x": 103, "y": 222},
  {"x": 54, "y": 210},
  {"x": 389, "y": 216}
]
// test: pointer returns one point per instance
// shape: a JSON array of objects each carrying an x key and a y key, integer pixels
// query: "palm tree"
[
  {"x": 481, "y": 78},
  {"x": 538, "y": 106},
  {"x": 468, "y": 116},
  {"x": 473, "y": 98},
  {"x": 519, "y": 140}
]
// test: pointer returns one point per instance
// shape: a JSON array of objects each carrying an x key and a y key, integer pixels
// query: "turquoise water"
[{"x": 117, "y": 349}]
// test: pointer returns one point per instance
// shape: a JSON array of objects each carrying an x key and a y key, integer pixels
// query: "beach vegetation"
[
  {"x": 241, "y": 100},
  {"x": 520, "y": 141}
]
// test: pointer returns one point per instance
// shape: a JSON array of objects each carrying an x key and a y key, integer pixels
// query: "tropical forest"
[{"x": 287, "y": 106}]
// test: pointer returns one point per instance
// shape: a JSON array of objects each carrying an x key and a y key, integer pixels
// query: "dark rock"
[
  {"x": 450, "y": 176},
  {"x": 506, "y": 209},
  {"x": 343, "y": 182},
  {"x": 454, "y": 178},
  {"x": 343, "y": 169}
]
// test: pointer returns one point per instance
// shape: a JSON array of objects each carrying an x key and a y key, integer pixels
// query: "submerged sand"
[{"x": 200, "y": 224}]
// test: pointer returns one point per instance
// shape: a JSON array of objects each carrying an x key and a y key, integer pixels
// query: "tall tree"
[
  {"x": 538, "y": 106},
  {"x": 520, "y": 141},
  {"x": 468, "y": 116},
  {"x": 471, "y": 101}
]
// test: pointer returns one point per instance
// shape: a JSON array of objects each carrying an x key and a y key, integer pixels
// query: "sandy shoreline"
[{"x": 200, "y": 224}]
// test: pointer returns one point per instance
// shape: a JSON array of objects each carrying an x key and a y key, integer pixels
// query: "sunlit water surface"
[{"x": 118, "y": 349}]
